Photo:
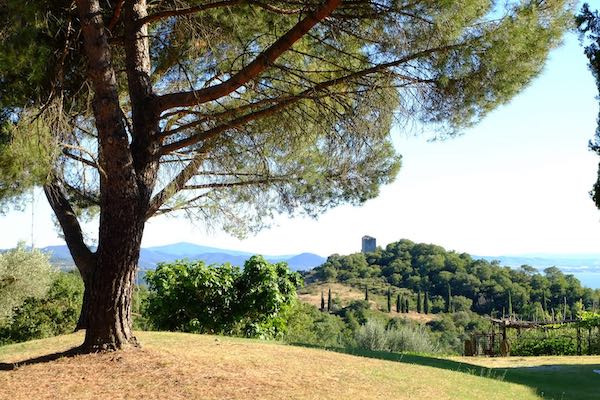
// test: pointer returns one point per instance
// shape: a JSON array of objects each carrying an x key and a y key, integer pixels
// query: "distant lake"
[{"x": 588, "y": 279}]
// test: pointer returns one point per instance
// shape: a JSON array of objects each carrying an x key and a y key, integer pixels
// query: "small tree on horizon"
[
  {"x": 448, "y": 307},
  {"x": 322, "y": 301}
]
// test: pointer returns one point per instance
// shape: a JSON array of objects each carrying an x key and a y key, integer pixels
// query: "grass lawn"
[{"x": 187, "y": 366}]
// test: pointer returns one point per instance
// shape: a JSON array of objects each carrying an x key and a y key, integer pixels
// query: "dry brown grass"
[
  {"x": 312, "y": 295},
  {"x": 186, "y": 366}
]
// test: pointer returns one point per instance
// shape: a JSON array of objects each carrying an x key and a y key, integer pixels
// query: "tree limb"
[
  {"x": 293, "y": 99},
  {"x": 84, "y": 258},
  {"x": 187, "y": 11},
  {"x": 252, "y": 70}
]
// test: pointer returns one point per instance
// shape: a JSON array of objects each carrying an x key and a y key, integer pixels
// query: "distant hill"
[{"x": 151, "y": 256}]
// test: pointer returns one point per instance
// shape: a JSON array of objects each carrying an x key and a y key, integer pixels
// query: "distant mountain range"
[
  {"x": 578, "y": 264},
  {"x": 151, "y": 256}
]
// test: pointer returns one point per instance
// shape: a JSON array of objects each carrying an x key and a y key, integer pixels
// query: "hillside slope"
[{"x": 186, "y": 366}]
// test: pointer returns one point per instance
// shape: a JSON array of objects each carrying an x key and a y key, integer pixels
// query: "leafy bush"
[
  {"x": 54, "y": 314},
  {"x": 307, "y": 325},
  {"x": 534, "y": 345},
  {"x": 397, "y": 338},
  {"x": 192, "y": 297}
]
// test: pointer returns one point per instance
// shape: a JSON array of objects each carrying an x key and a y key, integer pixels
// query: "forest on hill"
[{"x": 416, "y": 270}]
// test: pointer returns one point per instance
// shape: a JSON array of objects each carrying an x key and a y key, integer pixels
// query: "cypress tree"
[
  {"x": 426, "y": 303},
  {"x": 329, "y": 300},
  {"x": 398, "y": 300},
  {"x": 406, "y": 305},
  {"x": 510, "y": 309},
  {"x": 366, "y": 293},
  {"x": 322, "y": 301},
  {"x": 419, "y": 301},
  {"x": 565, "y": 308},
  {"x": 389, "y": 301},
  {"x": 448, "y": 300},
  {"x": 544, "y": 303}
]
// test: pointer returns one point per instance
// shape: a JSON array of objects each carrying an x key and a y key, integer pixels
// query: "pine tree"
[
  {"x": 419, "y": 301},
  {"x": 426, "y": 303},
  {"x": 329, "y": 300}
]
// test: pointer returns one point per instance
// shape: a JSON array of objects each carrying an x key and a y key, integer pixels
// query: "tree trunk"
[
  {"x": 126, "y": 181},
  {"x": 109, "y": 325},
  {"x": 83, "y": 314},
  {"x": 109, "y": 322}
]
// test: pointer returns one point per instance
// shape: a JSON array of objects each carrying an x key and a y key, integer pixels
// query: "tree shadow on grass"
[
  {"x": 558, "y": 381},
  {"x": 41, "y": 359}
]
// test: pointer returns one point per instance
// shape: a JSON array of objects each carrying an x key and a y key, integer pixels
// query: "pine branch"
[{"x": 252, "y": 70}]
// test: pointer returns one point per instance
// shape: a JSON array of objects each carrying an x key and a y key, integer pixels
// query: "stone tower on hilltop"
[{"x": 368, "y": 244}]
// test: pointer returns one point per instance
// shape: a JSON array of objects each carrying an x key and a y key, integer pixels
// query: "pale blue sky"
[{"x": 516, "y": 183}]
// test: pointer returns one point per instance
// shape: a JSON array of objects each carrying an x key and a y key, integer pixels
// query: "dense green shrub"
[
  {"x": 537, "y": 345},
  {"x": 54, "y": 314},
  {"x": 307, "y": 325},
  {"x": 193, "y": 297}
]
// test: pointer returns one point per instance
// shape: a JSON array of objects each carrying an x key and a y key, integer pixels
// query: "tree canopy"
[
  {"x": 234, "y": 110},
  {"x": 588, "y": 24},
  {"x": 263, "y": 116}
]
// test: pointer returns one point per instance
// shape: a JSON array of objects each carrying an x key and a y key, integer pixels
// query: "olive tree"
[{"x": 23, "y": 274}]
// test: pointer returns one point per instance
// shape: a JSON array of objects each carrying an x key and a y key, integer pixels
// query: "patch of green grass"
[{"x": 556, "y": 377}]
